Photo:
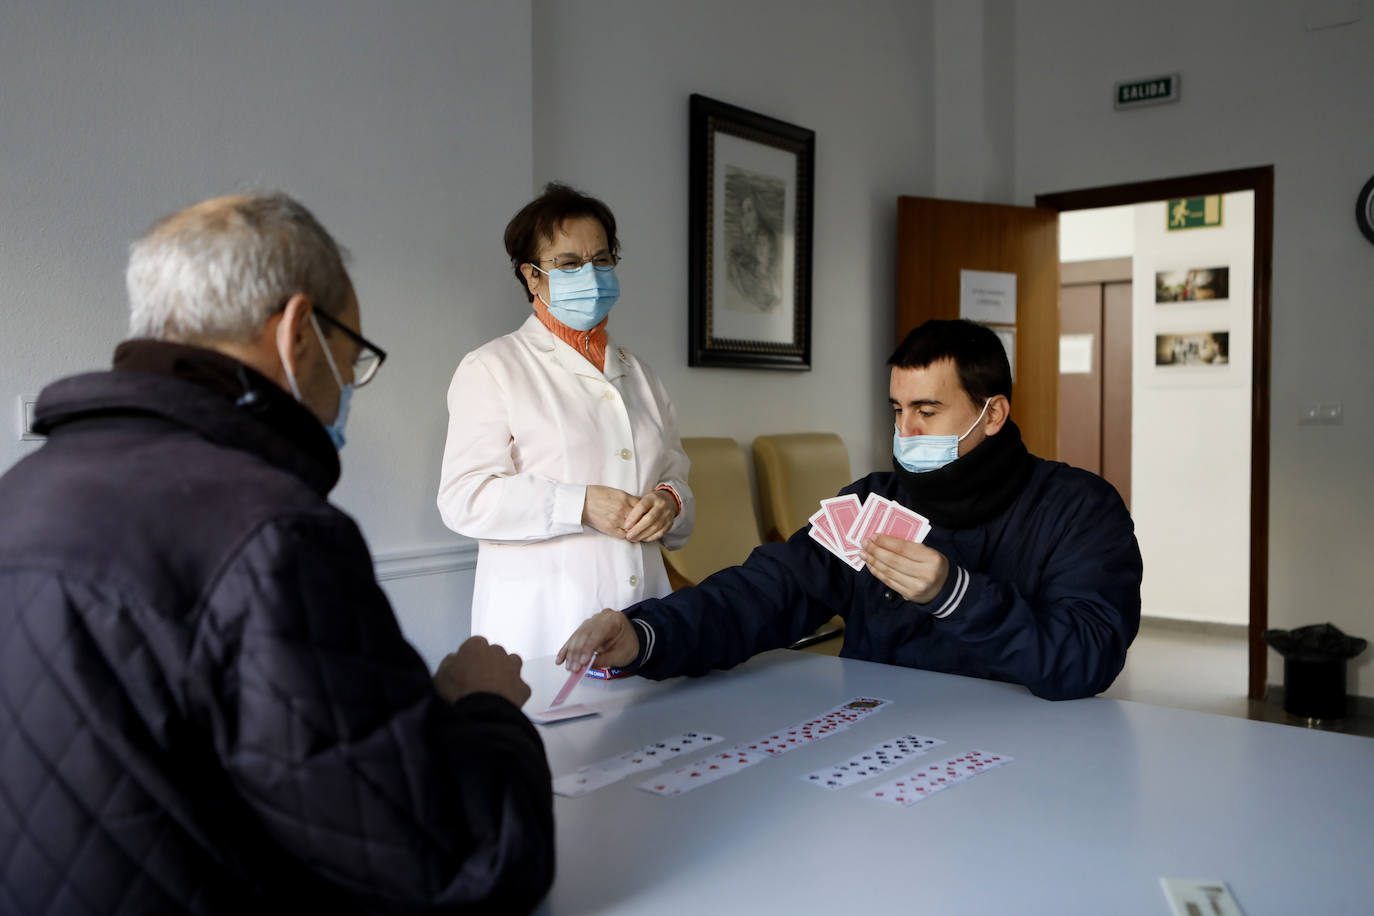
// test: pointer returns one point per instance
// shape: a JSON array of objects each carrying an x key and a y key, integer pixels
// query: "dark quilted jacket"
[{"x": 205, "y": 702}]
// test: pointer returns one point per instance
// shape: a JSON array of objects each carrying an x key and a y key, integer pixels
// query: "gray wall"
[
  {"x": 614, "y": 122},
  {"x": 1257, "y": 89},
  {"x": 113, "y": 115}
]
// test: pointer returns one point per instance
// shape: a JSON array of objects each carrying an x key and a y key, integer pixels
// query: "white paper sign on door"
[{"x": 987, "y": 296}]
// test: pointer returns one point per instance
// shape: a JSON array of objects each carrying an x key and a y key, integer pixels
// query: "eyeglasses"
[
  {"x": 571, "y": 264},
  {"x": 370, "y": 356}
]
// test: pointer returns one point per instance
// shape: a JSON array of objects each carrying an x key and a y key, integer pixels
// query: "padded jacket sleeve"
[
  {"x": 1068, "y": 638},
  {"x": 331, "y": 731},
  {"x": 781, "y": 593}
]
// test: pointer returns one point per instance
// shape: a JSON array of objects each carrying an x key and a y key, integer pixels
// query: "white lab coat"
[{"x": 531, "y": 424}]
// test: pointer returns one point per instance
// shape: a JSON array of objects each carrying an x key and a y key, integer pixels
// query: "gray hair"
[{"x": 218, "y": 270}]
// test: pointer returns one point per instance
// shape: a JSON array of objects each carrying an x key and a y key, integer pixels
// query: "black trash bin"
[{"x": 1314, "y": 660}]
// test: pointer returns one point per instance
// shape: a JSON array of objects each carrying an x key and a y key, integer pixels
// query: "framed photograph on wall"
[
  {"x": 749, "y": 239},
  {"x": 1193, "y": 284},
  {"x": 1202, "y": 349}
]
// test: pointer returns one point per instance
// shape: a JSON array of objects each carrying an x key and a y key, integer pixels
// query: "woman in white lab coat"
[{"x": 563, "y": 458}]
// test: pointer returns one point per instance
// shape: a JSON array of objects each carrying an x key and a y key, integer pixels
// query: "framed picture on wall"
[
  {"x": 1193, "y": 284},
  {"x": 1202, "y": 349},
  {"x": 749, "y": 239}
]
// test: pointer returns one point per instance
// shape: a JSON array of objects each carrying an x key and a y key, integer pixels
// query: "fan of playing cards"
[{"x": 841, "y": 525}]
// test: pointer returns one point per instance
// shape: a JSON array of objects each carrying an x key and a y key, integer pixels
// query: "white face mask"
[
  {"x": 928, "y": 453},
  {"x": 581, "y": 298}
]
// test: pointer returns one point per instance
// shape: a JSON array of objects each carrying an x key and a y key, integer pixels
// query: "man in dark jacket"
[
  {"x": 206, "y": 704},
  {"x": 1030, "y": 573}
]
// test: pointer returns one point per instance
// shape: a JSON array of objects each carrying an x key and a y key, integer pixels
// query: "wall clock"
[{"x": 1364, "y": 210}]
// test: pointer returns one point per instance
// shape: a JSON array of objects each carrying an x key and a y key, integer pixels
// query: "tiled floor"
[{"x": 1205, "y": 670}]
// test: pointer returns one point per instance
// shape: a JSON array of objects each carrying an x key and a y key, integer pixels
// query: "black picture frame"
[{"x": 751, "y": 186}]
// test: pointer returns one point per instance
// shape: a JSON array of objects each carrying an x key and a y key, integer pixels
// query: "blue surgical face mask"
[
  {"x": 335, "y": 429},
  {"x": 929, "y": 453},
  {"x": 581, "y": 298}
]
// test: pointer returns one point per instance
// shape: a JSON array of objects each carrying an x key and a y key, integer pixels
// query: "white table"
[{"x": 1103, "y": 798}]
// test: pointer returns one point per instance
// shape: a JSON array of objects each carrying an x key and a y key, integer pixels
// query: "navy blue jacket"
[
  {"x": 1045, "y": 594},
  {"x": 206, "y": 704}
]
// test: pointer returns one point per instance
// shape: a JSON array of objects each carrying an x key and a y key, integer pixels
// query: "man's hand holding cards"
[
  {"x": 842, "y": 525},
  {"x": 886, "y": 537}
]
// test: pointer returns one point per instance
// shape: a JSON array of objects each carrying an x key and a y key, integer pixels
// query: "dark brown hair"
[
  {"x": 539, "y": 219},
  {"x": 978, "y": 356}
]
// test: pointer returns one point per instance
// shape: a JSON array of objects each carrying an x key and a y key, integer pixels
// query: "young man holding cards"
[{"x": 971, "y": 556}]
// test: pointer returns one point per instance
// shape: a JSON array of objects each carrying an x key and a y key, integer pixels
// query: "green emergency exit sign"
[
  {"x": 1154, "y": 90},
  {"x": 1193, "y": 212}
]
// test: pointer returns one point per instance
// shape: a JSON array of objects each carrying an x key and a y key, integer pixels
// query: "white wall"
[
  {"x": 611, "y": 117},
  {"x": 1190, "y": 425},
  {"x": 407, "y": 131},
  {"x": 1098, "y": 234},
  {"x": 974, "y": 131},
  {"x": 1257, "y": 88}
]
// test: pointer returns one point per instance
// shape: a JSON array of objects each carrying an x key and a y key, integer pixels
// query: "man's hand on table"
[
  {"x": 914, "y": 571},
  {"x": 609, "y": 634},
  {"x": 478, "y": 667}
]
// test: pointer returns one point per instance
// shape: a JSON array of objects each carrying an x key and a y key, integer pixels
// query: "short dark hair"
[
  {"x": 539, "y": 219},
  {"x": 977, "y": 353}
]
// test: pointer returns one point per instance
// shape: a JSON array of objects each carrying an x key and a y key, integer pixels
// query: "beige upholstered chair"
[
  {"x": 726, "y": 527},
  {"x": 796, "y": 471}
]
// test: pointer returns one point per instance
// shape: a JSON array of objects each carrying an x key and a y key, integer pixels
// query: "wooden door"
[
  {"x": 1095, "y": 369},
  {"x": 936, "y": 239},
  {"x": 1080, "y": 376}
]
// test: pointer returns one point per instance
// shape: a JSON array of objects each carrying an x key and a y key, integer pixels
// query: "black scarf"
[{"x": 972, "y": 489}]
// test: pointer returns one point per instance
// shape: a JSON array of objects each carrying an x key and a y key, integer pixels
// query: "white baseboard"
[
  {"x": 1208, "y": 627},
  {"x": 430, "y": 561}
]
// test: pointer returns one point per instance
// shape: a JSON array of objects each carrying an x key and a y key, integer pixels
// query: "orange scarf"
[{"x": 591, "y": 344}]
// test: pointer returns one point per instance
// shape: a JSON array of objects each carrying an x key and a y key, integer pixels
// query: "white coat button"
[
  {"x": 634, "y": 580},
  {"x": 609, "y": 396},
  {"x": 625, "y": 453}
]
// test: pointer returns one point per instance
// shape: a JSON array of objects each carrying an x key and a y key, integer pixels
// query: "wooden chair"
[{"x": 795, "y": 472}]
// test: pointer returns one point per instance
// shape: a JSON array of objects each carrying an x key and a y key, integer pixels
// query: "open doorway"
[{"x": 1167, "y": 388}]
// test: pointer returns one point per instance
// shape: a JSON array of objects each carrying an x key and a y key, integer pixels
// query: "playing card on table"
[
  {"x": 927, "y": 780},
  {"x": 703, "y": 772},
  {"x": 687, "y": 778},
  {"x": 580, "y": 782},
  {"x": 878, "y": 759},
  {"x": 656, "y": 752},
  {"x": 857, "y": 708},
  {"x": 971, "y": 763},
  {"x": 734, "y": 759},
  {"x": 563, "y": 713},
  {"x": 780, "y": 742}
]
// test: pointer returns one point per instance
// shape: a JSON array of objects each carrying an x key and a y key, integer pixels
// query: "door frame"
[{"x": 1260, "y": 180}]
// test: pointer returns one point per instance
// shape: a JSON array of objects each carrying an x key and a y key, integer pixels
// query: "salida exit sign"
[{"x": 1152, "y": 90}]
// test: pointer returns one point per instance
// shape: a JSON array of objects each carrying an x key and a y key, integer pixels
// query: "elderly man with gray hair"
[{"x": 206, "y": 704}]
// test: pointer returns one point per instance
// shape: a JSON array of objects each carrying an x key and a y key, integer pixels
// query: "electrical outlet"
[
  {"x": 1330, "y": 413},
  {"x": 26, "y": 407},
  {"x": 1309, "y": 414}
]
